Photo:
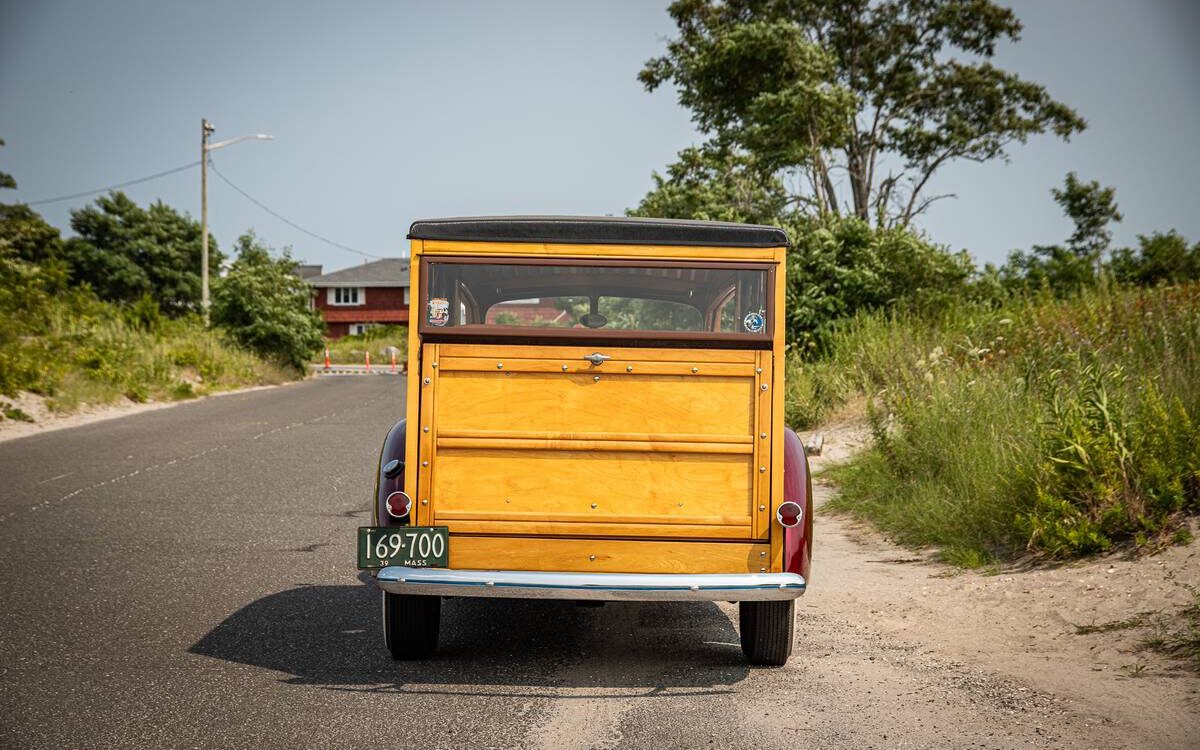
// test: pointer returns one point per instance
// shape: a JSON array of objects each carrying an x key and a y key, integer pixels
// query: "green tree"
[
  {"x": 1160, "y": 258},
  {"x": 707, "y": 183},
  {"x": 126, "y": 252},
  {"x": 266, "y": 307},
  {"x": 23, "y": 231},
  {"x": 1075, "y": 265},
  {"x": 6, "y": 180},
  {"x": 840, "y": 266},
  {"x": 1091, "y": 208},
  {"x": 814, "y": 88},
  {"x": 28, "y": 235}
]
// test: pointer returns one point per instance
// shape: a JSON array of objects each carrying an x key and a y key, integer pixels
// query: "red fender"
[
  {"x": 393, "y": 448},
  {"x": 797, "y": 487}
]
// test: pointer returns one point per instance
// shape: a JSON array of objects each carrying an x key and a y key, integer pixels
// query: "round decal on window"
[{"x": 754, "y": 322}]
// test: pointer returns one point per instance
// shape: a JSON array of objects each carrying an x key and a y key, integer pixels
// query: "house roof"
[
  {"x": 601, "y": 230},
  {"x": 385, "y": 272}
]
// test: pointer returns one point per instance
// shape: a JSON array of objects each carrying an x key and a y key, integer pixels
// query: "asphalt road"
[{"x": 186, "y": 578}]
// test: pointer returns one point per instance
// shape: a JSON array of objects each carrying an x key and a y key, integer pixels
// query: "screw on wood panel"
[
  {"x": 758, "y": 370},
  {"x": 564, "y": 368},
  {"x": 763, "y": 386},
  {"x": 427, "y": 381},
  {"x": 762, "y": 570},
  {"x": 762, "y": 507},
  {"x": 591, "y": 557},
  {"x": 596, "y": 378},
  {"x": 424, "y": 502},
  {"x": 762, "y": 435},
  {"x": 424, "y": 429},
  {"x": 594, "y": 505},
  {"x": 695, "y": 369},
  {"x": 762, "y": 554},
  {"x": 434, "y": 365},
  {"x": 761, "y": 469},
  {"x": 499, "y": 365},
  {"x": 424, "y": 463},
  {"x": 629, "y": 368}
]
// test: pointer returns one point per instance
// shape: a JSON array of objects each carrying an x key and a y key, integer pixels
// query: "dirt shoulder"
[
  {"x": 46, "y": 420},
  {"x": 1022, "y": 625}
]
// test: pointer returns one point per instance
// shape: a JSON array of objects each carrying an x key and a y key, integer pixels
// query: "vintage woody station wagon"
[{"x": 595, "y": 412}]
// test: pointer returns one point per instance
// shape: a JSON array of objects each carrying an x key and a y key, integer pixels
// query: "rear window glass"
[{"x": 531, "y": 299}]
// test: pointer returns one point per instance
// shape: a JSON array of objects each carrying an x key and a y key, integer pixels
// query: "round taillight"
[
  {"x": 789, "y": 514},
  {"x": 398, "y": 505}
]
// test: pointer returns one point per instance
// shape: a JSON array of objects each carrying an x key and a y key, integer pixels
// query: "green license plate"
[{"x": 413, "y": 546}]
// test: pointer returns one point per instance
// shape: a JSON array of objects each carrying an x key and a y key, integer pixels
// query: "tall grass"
[
  {"x": 74, "y": 349},
  {"x": 1062, "y": 428}
]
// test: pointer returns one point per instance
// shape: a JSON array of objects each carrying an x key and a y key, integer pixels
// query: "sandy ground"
[
  {"x": 1019, "y": 624},
  {"x": 46, "y": 420}
]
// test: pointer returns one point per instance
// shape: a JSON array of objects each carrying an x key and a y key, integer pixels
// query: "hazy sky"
[{"x": 388, "y": 112}]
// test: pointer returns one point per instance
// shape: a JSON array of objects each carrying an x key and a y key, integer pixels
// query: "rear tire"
[
  {"x": 767, "y": 630},
  {"x": 410, "y": 625}
]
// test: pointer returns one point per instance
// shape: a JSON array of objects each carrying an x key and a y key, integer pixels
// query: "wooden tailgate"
[{"x": 536, "y": 440}]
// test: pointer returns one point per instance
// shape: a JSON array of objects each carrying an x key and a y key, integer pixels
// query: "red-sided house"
[{"x": 356, "y": 298}]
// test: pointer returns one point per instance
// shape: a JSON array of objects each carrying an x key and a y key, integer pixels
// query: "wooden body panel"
[
  {"x": 574, "y": 486},
  {"x": 653, "y": 252},
  {"x": 678, "y": 449},
  {"x": 610, "y": 555},
  {"x": 578, "y": 403},
  {"x": 658, "y": 444}
]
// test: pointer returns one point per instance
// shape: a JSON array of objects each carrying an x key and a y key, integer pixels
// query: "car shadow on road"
[{"x": 330, "y": 636}]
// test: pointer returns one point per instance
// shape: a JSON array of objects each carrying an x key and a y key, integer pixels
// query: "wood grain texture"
[
  {"x": 412, "y": 402},
  {"x": 609, "y": 529},
  {"x": 626, "y": 446},
  {"x": 539, "y": 249},
  {"x": 613, "y": 368},
  {"x": 567, "y": 402},
  {"x": 611, "y": 555},
  {"x": 556, "y": 485},
  {"x": 667, "y": 443},
  {"x": 575, "y": 353}
]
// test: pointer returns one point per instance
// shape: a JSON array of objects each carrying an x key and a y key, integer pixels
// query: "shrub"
[
  {"x": 838, "y": 267},
  {"x": 263, "y": 305},
  {"x": 66, "y": 344},
  {"x": 1062, "y": 428}
]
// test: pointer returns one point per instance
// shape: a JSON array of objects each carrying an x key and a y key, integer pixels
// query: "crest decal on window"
[{"x": 439, "y": 311}]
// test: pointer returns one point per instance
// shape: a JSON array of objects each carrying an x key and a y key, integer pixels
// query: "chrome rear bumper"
[{"x": 520, "y": 584}]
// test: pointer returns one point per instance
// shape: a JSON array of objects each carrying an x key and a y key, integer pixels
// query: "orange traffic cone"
[
  {"x": 368, "y": 361},
  {"x": 393, "y": 361},
  {"x": 327, "y": 358}
]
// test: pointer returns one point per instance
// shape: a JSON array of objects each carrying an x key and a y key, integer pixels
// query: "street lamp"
[{"x": 207, "y": 129}]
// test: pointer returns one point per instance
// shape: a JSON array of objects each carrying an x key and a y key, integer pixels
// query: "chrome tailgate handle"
[{"x": 597, "y": 358}]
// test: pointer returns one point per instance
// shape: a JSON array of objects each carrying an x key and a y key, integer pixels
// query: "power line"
[
  {"x": 119, "y": 185},
  {"x": 287, "y": 221}
]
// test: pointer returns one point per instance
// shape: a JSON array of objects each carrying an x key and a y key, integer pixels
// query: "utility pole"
[{"x": 207, "y": 129}]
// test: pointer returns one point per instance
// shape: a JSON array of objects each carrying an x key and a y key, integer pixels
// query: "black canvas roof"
[{"x": 607, "y": 230}]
